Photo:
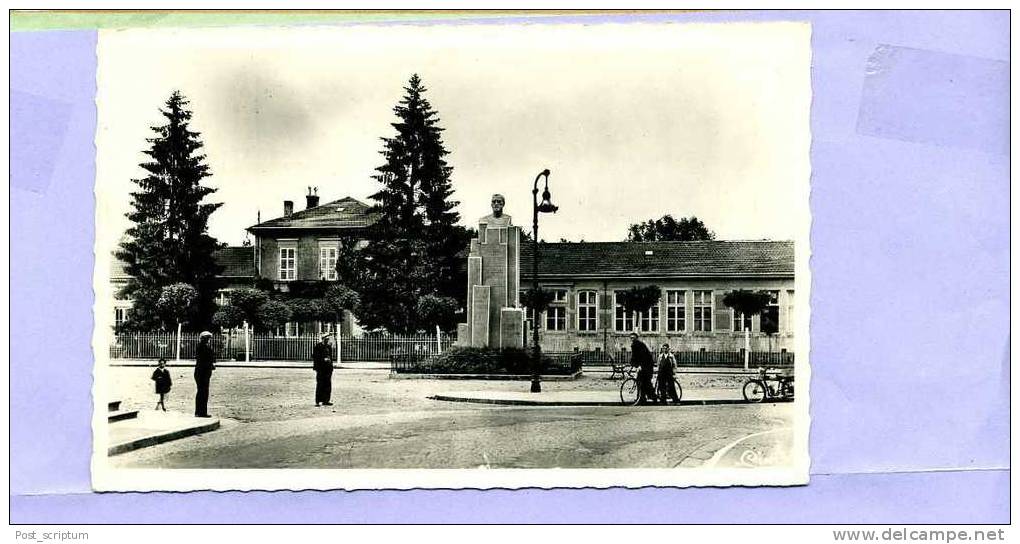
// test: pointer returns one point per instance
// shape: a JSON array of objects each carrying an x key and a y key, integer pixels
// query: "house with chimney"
[
  {"x": 297, "y": 247},
  {"x": 303, "y": 246}
]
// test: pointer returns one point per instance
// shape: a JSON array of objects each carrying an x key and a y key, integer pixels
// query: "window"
[
  {"x": 327, "y": 263},
  {"x": 770, "y": 315},
  {"x": 702, "y": 311},
  {"x": 741, "y": 321},
  {"x": 556, "y": 318},
  {"x": 119, "y": 317},
  {"x": 649, "y": 321},
  {"x": 623, "y": 321},
  {"x": 288, "y": 263},
  {"x": 676, "y": 311},
  {"x": 556, "y": 314},
  {"x": 587, "y": 311}
]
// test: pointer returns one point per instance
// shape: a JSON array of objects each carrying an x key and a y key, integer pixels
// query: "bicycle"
[
  {"x": 630, "y": 392},
  {"x": 761, "y": 387}
]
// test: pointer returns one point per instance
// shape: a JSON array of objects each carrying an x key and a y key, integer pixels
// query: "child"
[
  {"x": 667, "y": 366},
  {"x": 162, "y": 378}
]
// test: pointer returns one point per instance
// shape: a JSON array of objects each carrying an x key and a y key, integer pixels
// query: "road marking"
[{"x": 714, "y": 460}]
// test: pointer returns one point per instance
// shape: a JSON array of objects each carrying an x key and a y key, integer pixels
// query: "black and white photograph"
[{"x": 454, "y": 256}]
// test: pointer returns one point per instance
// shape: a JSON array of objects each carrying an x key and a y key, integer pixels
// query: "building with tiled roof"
[
  {"x": 304, "y": 245},
  {"x": 237, "y": 268},
  {"x": 693, "y": 277}
]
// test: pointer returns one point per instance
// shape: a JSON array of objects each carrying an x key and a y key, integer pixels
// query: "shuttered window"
[
  {"x": 327, "y": 263},
  {"x": 288, "y": 263}
]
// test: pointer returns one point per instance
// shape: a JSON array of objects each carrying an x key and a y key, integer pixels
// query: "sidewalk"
[
  {"x": 691, "y": 397},
  {"x": 152, "y": 427}
]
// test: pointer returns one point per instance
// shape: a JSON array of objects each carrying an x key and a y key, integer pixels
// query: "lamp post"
[{"x": 546, "y": 206}]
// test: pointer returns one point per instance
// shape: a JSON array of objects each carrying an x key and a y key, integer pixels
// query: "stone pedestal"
[{"x": 494, "y": 316}]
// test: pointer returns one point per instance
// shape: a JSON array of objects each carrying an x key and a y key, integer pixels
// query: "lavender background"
[{"x": 910, "y": 299}]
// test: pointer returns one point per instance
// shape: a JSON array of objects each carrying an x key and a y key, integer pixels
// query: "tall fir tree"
[
  {"x": 168, "y": 241},
  {"x": 413, "y": 247}
]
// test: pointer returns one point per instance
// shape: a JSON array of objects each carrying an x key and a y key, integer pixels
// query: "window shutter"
[
  {"x": 571, "y": 310},
  {"x": 723, "y": 315}
]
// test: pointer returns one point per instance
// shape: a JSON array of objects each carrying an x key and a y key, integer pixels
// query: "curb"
[
  {"x": 521, "y": 402},
  {"x": 153, "y": 439}
]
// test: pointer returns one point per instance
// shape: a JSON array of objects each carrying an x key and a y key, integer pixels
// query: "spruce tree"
[
  {"x": 413, "y": 247},
  {"x": 168, "y": 241}
]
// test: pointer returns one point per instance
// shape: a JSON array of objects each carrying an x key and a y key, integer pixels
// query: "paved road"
[{"x": 392, "y": 424}]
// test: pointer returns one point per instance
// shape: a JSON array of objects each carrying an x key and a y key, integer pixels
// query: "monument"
[{"x": 495, "y": 318}]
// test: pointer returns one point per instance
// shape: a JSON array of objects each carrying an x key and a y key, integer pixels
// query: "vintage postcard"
[{"x": 452, "y": 256}]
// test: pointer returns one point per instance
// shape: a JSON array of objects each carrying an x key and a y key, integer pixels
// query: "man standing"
[
  {"x": 641, "y": 357},
  {"x": 322, "y": 363},
  {"x": 205, "y": 362}
]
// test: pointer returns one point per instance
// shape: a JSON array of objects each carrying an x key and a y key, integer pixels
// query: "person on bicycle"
[
  {"x": 642, "y": 358},
  {"x": 667, "y": 366}
]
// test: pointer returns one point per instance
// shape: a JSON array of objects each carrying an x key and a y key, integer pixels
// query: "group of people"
[
  {"x": 322, "y": 364},
  {"x": 205, "y": 363},
  {"x": 642, "y": 358}
]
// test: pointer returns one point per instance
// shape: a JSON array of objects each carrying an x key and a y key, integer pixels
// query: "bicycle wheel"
[
  {"x": 679, "y": 390},
  {"x": 754, "y": 391},
  {"x": 629, "y": 393}
]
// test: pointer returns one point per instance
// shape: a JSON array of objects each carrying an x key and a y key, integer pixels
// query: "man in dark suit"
[
  {"x": 322, "y": 363},
  {"x": 205, "y": 362},
  {"x": 642, "y": 358}
]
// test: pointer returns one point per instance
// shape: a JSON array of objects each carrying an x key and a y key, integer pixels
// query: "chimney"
[
  {"x": 288, "y": 207},
  {"x": 312, "y": 198}
]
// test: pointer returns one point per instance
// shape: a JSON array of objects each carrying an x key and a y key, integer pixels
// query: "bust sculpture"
[{"x": 497, "y": 218}]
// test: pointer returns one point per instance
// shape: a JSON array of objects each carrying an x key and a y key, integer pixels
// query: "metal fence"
[
  {"x": 264, "y": 347},
  {"x": 416, "y": 349}
]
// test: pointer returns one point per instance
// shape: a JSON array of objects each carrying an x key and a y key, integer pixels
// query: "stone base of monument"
[{"x": 494, "y": 316}]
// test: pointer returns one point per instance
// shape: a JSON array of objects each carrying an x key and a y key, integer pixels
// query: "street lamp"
[{"x": 546, "y": 206}]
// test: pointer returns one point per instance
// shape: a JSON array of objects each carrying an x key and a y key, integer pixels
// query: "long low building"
[{"x": 693, "y": 277}]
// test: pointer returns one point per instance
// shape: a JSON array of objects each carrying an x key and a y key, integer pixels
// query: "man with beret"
[{"x": 322, "y": 363}]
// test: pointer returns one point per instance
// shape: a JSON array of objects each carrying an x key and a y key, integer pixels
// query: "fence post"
[
  {"x": 247, "y": 343},
  {"x": 336, "y": 332},
  {"x": 439, "y": 341},
  {"x": 747, "y": 347},
  {"x": 178, "y": 342}
]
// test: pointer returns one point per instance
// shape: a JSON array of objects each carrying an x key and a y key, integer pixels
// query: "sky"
[{"x": 633, "y": 121}]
